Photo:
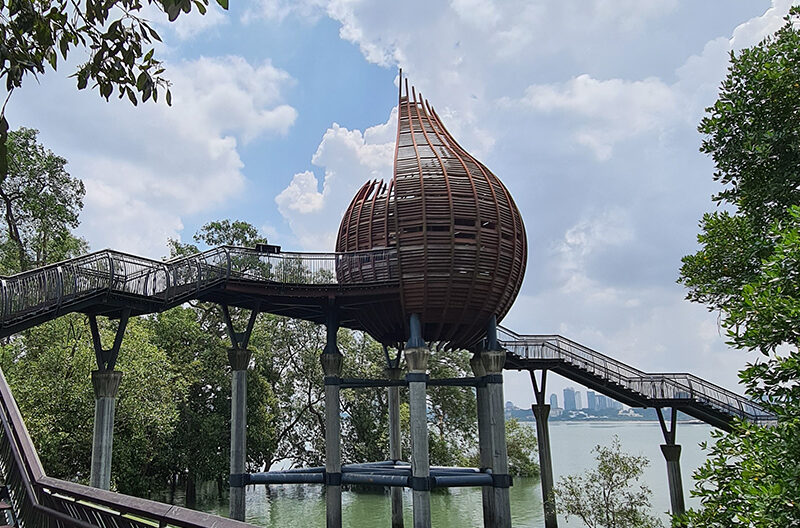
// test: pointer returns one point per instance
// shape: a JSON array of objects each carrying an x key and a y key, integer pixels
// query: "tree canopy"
[
  {"x": 608, "y": 497},
  {"x": 41, "y": 203},
  {"x": 748, "y": 268}
]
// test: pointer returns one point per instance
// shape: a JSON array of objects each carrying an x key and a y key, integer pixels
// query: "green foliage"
[
  {"x": 452, "y": 411},
  {"x": 753, "y": 135},
  {"x": 35, "y": 33},
  {"x": 766, "y": 313},
  {"x": 751, "y": 479},
  {"x": 752, "y": 475},
  {"x": 41, "y": 204},
  {"x": 748, "y": 269},
  {"x": 607, "y": 497},
  {"x": 48, "y": 368},
  {"x": 522, "y": 446},
  {"x": 753, "y": 130}
]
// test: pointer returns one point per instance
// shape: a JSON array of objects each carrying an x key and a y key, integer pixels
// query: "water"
[{"x": 572, "y": 442}]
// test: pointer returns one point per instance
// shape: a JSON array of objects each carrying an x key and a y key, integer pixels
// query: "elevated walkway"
[
  {"x": 107, "y": 282},
  {"x": 692, "y": 395},
  {"x": 300, "y": 285}
]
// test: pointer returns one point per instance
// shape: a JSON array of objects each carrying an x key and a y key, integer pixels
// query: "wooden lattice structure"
[{"x": 460, "y": 238}]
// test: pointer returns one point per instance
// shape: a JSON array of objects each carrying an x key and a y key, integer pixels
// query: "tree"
[
  {"x": 48, "y": 370},
  {"x": 752, "y": 475},
  {"x": 753, "y": 134},
  {"x": 41, "y": 203},
  {"x": 606, "y": 497},
  {"x": 521, "y": 445},
  {"x": 114, "y": 34},
  {"x": 747, "y": 268}
]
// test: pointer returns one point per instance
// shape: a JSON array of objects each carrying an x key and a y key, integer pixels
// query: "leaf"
[{"x": 223, "y": 4}]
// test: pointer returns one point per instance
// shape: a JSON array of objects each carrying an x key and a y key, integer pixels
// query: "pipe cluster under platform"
[{"x": 387, "y": 473}]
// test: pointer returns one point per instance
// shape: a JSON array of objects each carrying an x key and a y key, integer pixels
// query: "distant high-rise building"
[
  {"x": 578, "y": 401},
  {"x": 569, "y": 399},
  {"x": 553, "y": 401},
  {"x": 602, "y": 402},
  {"x": 591, "y": 401}
]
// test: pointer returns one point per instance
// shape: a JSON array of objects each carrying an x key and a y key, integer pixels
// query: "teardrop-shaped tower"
[{"x": 460, "y": 239}]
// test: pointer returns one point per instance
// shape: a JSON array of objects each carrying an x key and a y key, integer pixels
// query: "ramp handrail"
[
  {"x": 107, "y": 272},
  {"x": 654, "y": 387},
  {"x": 38, "y": 500}
]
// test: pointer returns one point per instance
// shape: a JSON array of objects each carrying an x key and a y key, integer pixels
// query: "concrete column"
[
  {"x": 332, "y": 367},
  {"x": 484, "y": 438},
  {"x": 672, "y": 454},
  {"x": 493, "y": 361},
  {"x": 417, "y": 361},
  {"x": 239, "y": 360},
  {"x": 106, "y": 386},
  {"x": 541, "y": 413},
  {"x": 395, "y": 445}
]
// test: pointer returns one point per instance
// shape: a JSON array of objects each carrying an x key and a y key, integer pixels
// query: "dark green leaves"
[
  {"x": 749, "y": 268},
  {"x": 34, "y": 34}
]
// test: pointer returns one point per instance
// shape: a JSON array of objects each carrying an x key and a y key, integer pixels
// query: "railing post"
[
  {"x": 394, "y": 372},
  {"x": 239, "y": 360},
  {"x": 672, "y": 455},
  {"x": 417, "y": 354},
  {"x": 105, "y": 382},
  {"x": 331, "y": 360},
  {"x": 541, "y": 412},
  {"x": 493, "y": 360},
  {"x": 484, "y": 436}
]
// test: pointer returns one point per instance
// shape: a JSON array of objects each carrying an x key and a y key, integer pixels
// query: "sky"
[{"x": 587, "y": 110}]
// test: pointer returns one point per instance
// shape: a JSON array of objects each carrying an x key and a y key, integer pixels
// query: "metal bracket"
[
  {"x": 416, "y": 377},
  {"x": 420, "y": 483},
  {"x": 239, "y": 339},
  {"x": 501, "y": 481},
  {"x": 239, "y": 480},
  {"x": 392, "y": 363},
  {"x": 107, "y": 359},
  {"x": 332, "y": 479},
  {"x": 669, "y": 434},
  {"x": 539, "y": 387}
]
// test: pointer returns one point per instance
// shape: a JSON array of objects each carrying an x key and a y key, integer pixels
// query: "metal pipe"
[{"x": 286, "y": 478}]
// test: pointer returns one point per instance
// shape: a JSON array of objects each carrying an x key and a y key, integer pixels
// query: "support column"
[
  {"x": 672, "y": 454},
  {"x": 417, "y": 355},
  {"x": 395, "y": 446},
  {"x": 541, "y": 412},
  {"x": 493, "y": 360},
  {"x": 484, "y": 437},
  {"x": 106, "y": 386},
  {"x": 105, "y": 382},
  {"x": 239, "y": 360},
  {"x": 332, "y": 368}
]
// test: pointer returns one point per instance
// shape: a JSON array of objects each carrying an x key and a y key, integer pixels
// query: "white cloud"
[
  {"x": 349, "y": 159},
  {"x": 146, "y": 168},
  {"x": 608, "y": 111}
]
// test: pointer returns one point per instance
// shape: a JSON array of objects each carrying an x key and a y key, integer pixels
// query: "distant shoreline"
[{"x": 604, "y": 415}]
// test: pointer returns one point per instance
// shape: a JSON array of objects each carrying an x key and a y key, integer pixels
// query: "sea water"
[{"x": 572, "y": 443}]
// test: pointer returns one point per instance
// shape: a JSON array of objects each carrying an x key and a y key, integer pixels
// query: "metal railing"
[
  {"x": 38, "y": 500},
  {"x": 55, "y": 287},
  {"x": 654, "y": 388}
]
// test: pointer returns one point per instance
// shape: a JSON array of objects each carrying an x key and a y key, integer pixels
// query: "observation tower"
[{"x": 460, "y": 240}]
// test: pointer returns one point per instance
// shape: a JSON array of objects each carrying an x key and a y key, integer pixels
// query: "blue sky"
[{"x": 587, "y": 110}]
